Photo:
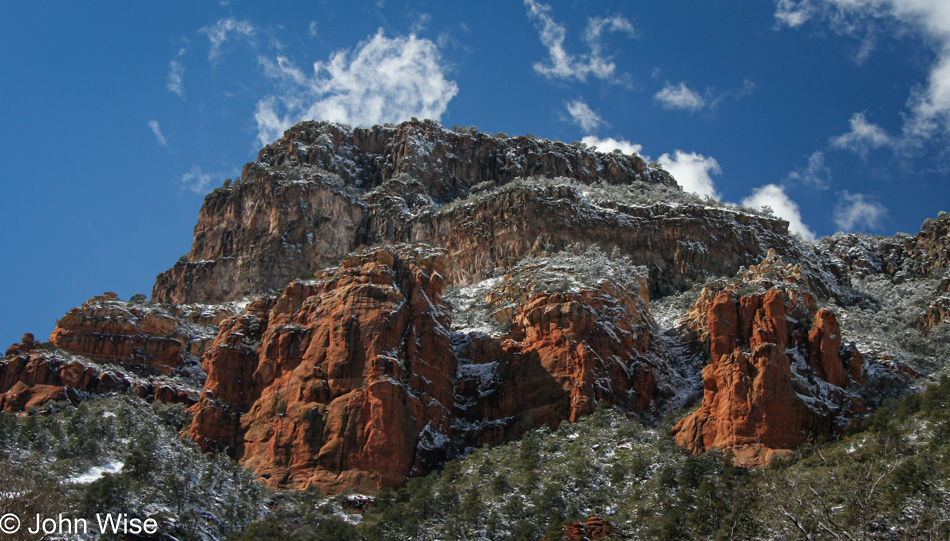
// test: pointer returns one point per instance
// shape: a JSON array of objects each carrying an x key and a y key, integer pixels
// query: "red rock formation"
[
  {"x": 566, "y": 352},
  {"x": 752, "y": 404},
  {"x": 30, "y": 380},
  {"x": 351, "y": 385},
  {"x": 824, "y": 341},
  {"x": 595, "y": 528},
  {"x": 107, "y": 329},
  {"x": 26, "y": 345},
  {"x": 936, "y": 313}
]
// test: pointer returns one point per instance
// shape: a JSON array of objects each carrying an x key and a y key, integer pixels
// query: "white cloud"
[
  {"x": 864, "y": 136},
  {"x": 218, "y": 33},
  {"x": 692, "y": 171},
  {"x": 596, "y": 27},
  {"x": 775, "y": 198},
  {"x": 610, "y": 144},
  {"x": 928, "y": 106},
  {"x": 816, "y": 174},
  {"x": 381, "y": 80},
  {"x": 420, "y": 23},
  {"x": 792, "y": 13},
  {"x": 157, "y": 130},
  {"x": 196, "y": 180},
  {"x": 584, "y": 116},
  {"x": 176, "y": 73},
  {"x": 854, "y": 211},
  {"x": 312, "y": 31},
  {"x": 566, "y": 66},
  {"x": 679, "y": 97}
]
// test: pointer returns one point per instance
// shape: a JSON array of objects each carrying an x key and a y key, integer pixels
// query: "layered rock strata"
[
  {"x": 150, "y": 339},
  {"x": 325, "y": 190}
]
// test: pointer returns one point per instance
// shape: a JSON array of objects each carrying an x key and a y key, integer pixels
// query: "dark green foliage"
[
  {"x": 886, "y": 478},
  {"x": 191, "y": 494}
]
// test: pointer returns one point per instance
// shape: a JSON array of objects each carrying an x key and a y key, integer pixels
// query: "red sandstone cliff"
[
  {"x": 757, "y": 399},
  {"x": 565, "y": 352},
  {"x": 351, "y": 385},
  {"x": 149, "y": 338},
  {"x": 109, "y": 345},
  {"x": 350, "y": 382}
]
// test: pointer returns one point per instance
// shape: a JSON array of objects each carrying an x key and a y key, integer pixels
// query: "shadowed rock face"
[
  {"x": 566, "y": 352},
  {"x": 324, "y": 190},
  {"x": 754, "y": 403}
]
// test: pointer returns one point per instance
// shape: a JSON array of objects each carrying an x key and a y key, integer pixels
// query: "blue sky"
[{"x": 117, "y": 118}]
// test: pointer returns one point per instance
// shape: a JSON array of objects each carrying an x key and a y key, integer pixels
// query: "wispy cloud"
[
  {"x": 684, "y": 98},
  {"x": 176, "y": 74},
  {"x": 792, "y": 13},
  {"x": 775, "y": 198},
  {"x": 863, "y": 137},
  {"x": 856, "y": 212},
  {"x": 584, "y": 116},
  {"x": 218, "y": 34},
  {"x": 610, "y": 144},
  {"x": 597, "y": 26},
  {"x": 312, "y": 30},
  {"x": 196, "y": 180},
  {"x": 927, "y": 113},
  {"x": 420, "y": 23},
  {"x": 565, "y": 66},
  {"x": 816, "y": 174},
  {"x": 381, "y": 80},
  {"x": 693, "y": 171},
  {"x": 157, "y": 130},
  {"x": 679, "y": 97}
]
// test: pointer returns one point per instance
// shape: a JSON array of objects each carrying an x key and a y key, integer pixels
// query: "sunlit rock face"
[{"x": 776, "y": 378}]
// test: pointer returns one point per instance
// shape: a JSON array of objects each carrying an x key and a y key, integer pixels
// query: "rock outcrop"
[
  {"x": 108, "y": 345},
  {"x": 774, "y": 381},
  {"x": 565, "y": 352},
  {"x": 594, "y": 528},
  {"x": 325, "y": 190},
  {"x": 352, "y": 382},
  {"x": 29, "y": 380},
  {"x": 147, "y": 338}
]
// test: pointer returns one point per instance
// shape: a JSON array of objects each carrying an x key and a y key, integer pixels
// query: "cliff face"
[
  {"x": 353, "y": 382},
  {"x": 108, "y": 345},
  {"x": 351, "y": 385},
  {"x": 778, "y": 375},
  {"x": 107, "y": 329},
  {"x": 475, "y": 287},
  {"x": 324, "y": 190},
  {"x": 568, "y": 349},
  {"x": 446, "y": 163}
]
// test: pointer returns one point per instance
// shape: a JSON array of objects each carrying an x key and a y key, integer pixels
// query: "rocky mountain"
[
  {"x": 365, "y": 304},
  {"x": 326, "y": 190}
]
